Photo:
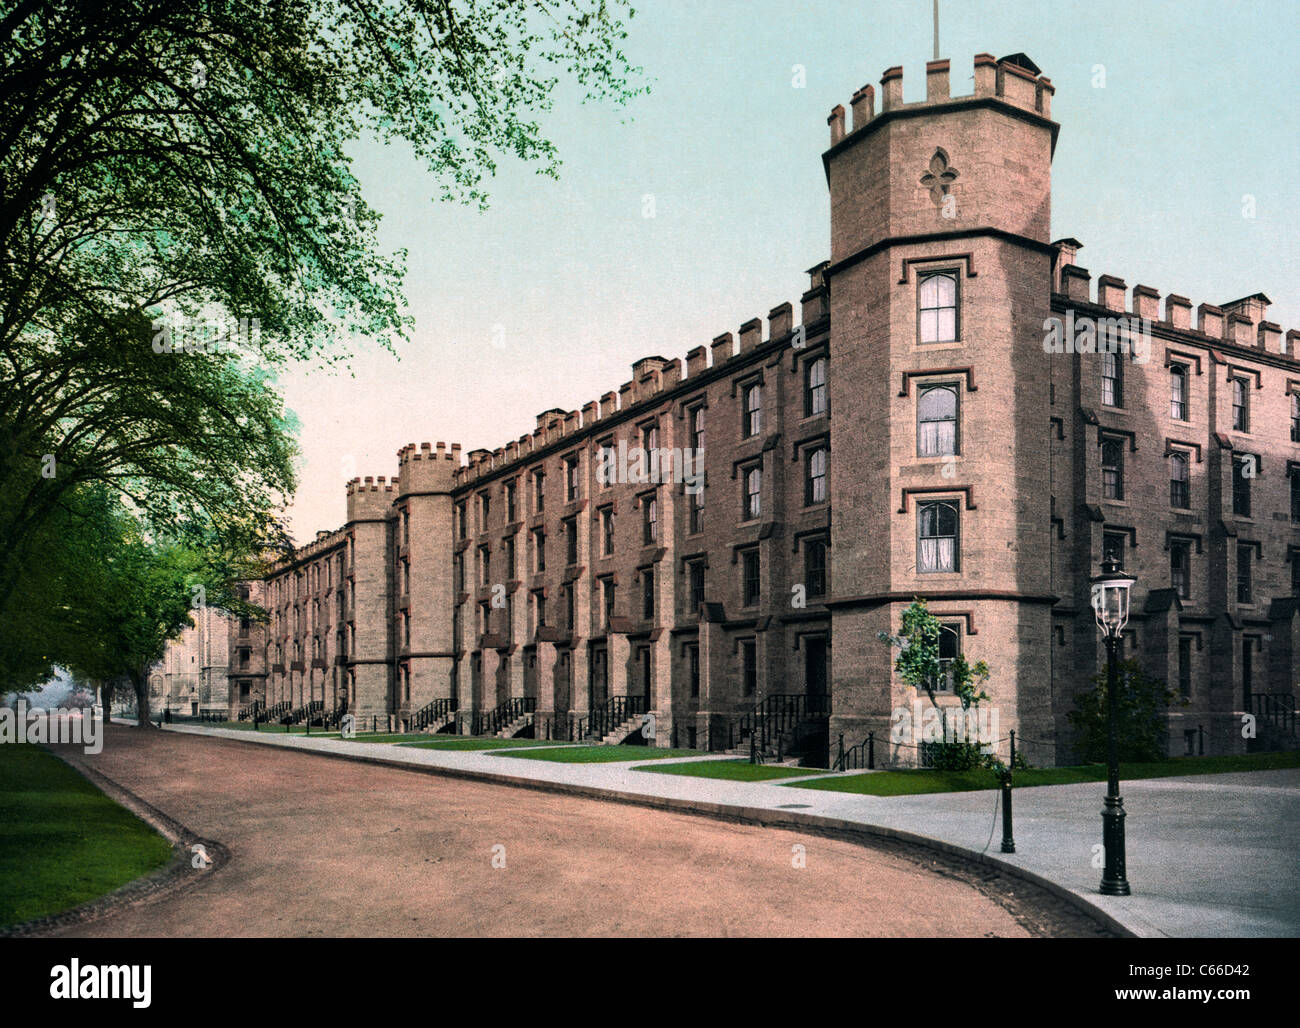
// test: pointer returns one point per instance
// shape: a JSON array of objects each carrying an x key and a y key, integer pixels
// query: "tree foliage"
[
  {"x": 918, "y": 663},
  {"x": 168, "y": 166},
  {"x": 163, "y": 163},
  {"x": 1141, "y": 727}
]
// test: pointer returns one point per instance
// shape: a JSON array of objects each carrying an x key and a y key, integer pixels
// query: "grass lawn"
[
  {"x": 603, "y": 754},
  {"x": 911, "y": 783},
  {"x": 740, "y": 770},
  {"x": 247, "y": 726},
  {"x": 62, "y": 841},
  {"x": 474, "y": 742}
]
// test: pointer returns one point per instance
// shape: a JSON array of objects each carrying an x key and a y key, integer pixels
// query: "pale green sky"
[{"x": 574, "y": 284}]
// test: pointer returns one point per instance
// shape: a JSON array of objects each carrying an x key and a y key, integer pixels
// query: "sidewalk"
[{"x": 1208, "y": 855}]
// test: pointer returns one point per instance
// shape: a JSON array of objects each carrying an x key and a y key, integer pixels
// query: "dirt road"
[{"x": 320, "y": 846}]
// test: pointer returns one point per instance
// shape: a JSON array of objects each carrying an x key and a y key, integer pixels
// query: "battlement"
[
  {"x": 1015, "y": 80},
  {"x": 1238, "y": 322},
  {"x": 323, "y": 543},
  {"x": 425, "y": 451},
  {"x": 652, "y": 377}
]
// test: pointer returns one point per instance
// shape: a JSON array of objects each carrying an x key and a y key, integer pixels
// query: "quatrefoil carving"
[{"x": 940, "y": 176}]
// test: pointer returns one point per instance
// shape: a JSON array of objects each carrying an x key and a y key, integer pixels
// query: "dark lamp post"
[{"x": 1110, "y": 598}]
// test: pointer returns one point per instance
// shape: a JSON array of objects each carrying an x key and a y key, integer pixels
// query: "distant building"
[{"x": 216, "y": 666}]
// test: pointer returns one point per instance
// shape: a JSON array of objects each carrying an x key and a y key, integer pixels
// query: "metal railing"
[
  {"x": 1277, "y": 708},
  {"x": 256, "y": 708},
  {"x": 431, "y": 712},
  {"x": 861, "y": 757},
  {"x": 609, "y": 715},
  {"x": 489, "y": 722}
]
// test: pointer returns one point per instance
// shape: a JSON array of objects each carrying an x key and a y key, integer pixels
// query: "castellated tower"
[
  {"x": 423, "y": 587},
  {"x": 939, "y": 285},
  {"x": 370, "y": 503}
]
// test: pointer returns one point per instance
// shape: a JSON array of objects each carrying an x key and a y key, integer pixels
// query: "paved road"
[{"x": 320, "y": 846}]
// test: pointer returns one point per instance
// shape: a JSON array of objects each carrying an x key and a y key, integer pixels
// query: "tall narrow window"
[
  {"x": 539, "y": 550},
  {"x": 693, "y": 663},
  {"x": 697, "y": 510},
  {"x": 936, "y": 536},
  {"x": 1245, "y": 582},
  {"x": 1112, "y": 547},
  {"x": 751, "y": 585},
  {"x": 607, "y": 531},
  {"x": 650, "y": 520},
  {"x": 749, "y": 666},
  {"x": 1178, "y": 392},
  {"x": 697, "y": 584},
  {"x": 753, "y": 421},
  {"x": 1180, "y": 495},
  {"x": 607, "y": 598},
  {"x": 571, "y": 540},
  {"x": 1243, "y": 470},
  {"x": 1240, "y": 405},
  {"x": 1185, "y": 666},
  {"x": 1112, "y": 469},
  {"x": 949, "y": 650},
  {"x": 539, "y": 491},
  {"x": 814, "y": 567},
  {"x": 1112, "y": 379},
  {"x": 1295, "y": 417},
  {"x": 571, "y": 479},
  {"x": 511, "y": 508},
  {"x": 753, "y": 493},
  {"x": 937, "y": 421},
  {"x": 814, "y": 396},
  {"x": 1295, "y": 495},
  {"x": 697, "y": 429},
  {"x": 485, "y": 511},
  {"x": 815, "y": 477},
  {"x": 1180, "y": 568},
  {"x": 510, "y": 558},
  {"x": 648, "y": 593},
  {"x": 937, "y": 318}
]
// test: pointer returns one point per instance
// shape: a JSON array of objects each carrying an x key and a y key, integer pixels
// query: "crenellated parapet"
[
  {"x": 370, "y": 499},
  {"x": 1239, "y": 322},
  {"x": 655, "y": 376},
  {"x": 1015, "y": 80},
  {"x": 427, "y": 468}
]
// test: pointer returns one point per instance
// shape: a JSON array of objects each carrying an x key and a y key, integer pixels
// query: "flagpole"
[{"x": 936, "y": 29}]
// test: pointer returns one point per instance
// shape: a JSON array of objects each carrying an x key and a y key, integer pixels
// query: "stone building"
[
  {"x": 937, "y": 424},
  {"x": 217, "y": 666}
]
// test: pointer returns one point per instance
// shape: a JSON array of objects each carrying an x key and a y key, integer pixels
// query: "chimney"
[
  {"x": 1066, "y": 252},
  {"x": 751, "y": 335}
]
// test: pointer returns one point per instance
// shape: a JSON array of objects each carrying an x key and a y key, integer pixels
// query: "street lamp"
[{"x": 1110, "y": 595}]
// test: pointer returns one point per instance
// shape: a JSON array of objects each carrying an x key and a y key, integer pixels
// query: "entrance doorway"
[{"x": 815, "y": 677}]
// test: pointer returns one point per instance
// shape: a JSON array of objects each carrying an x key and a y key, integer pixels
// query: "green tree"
[
  {"x": 919, "y": 665},
  {"x": 162, "y": 164},
  {"x": 1141, "y": 723}
]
